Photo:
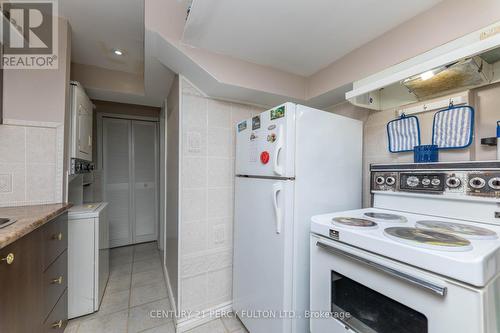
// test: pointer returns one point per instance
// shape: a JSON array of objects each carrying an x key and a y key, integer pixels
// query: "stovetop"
[{"x": 462, "y": 250}]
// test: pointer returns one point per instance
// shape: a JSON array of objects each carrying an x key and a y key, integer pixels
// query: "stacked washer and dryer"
[{"x": 88, "y": 229}]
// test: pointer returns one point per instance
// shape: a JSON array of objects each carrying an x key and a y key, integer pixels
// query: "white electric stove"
[{"x": 425, "y": 258}]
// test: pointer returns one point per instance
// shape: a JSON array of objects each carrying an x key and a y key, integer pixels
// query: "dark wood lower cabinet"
[
  {"x": 57, "y": 320},
  {"x": 31, "y": 297},
  {"x": 21, "y": 294},
  {"x": 55, "y": 282}
]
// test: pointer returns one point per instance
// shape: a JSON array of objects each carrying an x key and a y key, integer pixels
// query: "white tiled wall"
[
  {"x": 207, "y": 196},
  {"x": 30, "y": 165}
]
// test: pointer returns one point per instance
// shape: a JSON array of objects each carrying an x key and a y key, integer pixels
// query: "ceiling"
[
  {"x": 99, "y": 26},
  {"x": 296, "y": 36}
]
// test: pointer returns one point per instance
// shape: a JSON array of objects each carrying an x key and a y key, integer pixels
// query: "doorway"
[{"x": 130, "y": 179}]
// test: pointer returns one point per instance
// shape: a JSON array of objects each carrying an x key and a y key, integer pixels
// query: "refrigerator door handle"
[
  {"x": 277, "y": 188},
  {"x": 279, "y": 147}
]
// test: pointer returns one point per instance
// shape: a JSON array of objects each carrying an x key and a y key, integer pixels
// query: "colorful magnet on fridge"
[{"x": 264, "y": 157}]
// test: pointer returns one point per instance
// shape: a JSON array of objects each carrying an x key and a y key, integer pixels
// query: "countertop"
[{"x": 28, "y": 219}]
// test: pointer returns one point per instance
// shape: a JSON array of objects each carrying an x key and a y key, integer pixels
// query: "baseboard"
[
  {"x": 185, "y": 324},
  {"x": 169, "y": 292}
]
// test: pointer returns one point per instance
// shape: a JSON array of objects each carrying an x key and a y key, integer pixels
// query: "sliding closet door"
[
  {"x": 145, "y": 179},
  {"x": 116, "y": 144}
]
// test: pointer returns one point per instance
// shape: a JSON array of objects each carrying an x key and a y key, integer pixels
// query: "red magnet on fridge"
[{"x": 264, "y": 157}]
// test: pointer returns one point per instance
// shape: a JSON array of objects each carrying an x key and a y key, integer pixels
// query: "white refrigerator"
[{"x": 292, "y": 162}]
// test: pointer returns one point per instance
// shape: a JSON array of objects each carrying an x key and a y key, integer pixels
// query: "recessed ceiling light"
[{"x": 118, "y": 52}]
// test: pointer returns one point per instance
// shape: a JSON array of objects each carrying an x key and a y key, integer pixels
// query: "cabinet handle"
[
  {"x": 59, "y": 280},
  {"x": 9, "y": 259},
  {"x": 58, "y": 237},
  {"x": 57, "y": 324}
]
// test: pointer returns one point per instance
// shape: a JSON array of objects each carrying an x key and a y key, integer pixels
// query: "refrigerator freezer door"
[
  {"x": 263, "y": 252},
  {"x": 265, "y": 144}
]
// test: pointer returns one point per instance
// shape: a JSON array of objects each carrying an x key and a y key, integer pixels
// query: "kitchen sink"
[{"x": 4, "y": 222}]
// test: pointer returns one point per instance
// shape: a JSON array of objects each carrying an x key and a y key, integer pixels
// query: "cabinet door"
[{"x": 21, "y": 283}]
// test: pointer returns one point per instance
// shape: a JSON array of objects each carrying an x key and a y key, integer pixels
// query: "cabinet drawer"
[
  {"x": 20, "y": 293},
  {"x": 58, "y": 318},
  {"x": 55, "y": 281},
  {"x": 55, "y": 239}
]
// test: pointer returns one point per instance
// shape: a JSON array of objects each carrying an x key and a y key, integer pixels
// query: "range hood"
[
  {"x": 470, "y": 72},
  {"x": 469, "y": 62}
]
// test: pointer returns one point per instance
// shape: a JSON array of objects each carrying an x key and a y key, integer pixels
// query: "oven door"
[{"x": 355, "y": 291}]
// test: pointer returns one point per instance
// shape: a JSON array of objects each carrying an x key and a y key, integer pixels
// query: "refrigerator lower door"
[{"x": 263, "y": 253}]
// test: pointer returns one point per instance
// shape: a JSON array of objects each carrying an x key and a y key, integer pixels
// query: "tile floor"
[{"x": 136, "y": 286}]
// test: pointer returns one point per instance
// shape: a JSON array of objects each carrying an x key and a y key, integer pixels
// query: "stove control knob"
[
  {"x": 436, "y": 182},
  {"x": 477, "y": 183},
  {"x": 380, "y": 180},
  {"x": 412, "y": 181},
  {"x": 453, "y": 182},
  {"x": 426, "y": 181},
  {"x": 494, "y": 183},
  {"x": 390, "y": 181}
]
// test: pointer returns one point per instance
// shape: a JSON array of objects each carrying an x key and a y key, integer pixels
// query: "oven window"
[{"x": 373, "y": 312}]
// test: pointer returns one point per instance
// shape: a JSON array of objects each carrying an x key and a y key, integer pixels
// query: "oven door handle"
[{"x": 441, "y": 291}]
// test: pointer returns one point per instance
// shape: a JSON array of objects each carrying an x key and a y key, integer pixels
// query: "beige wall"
[
  {"x": 424, "y": 32},
  {"x": 126, "y": 109},
  {"x": 486, "y": 102},
  {"x": 93, "y": 77},
  {"x": 33, "y": 150},
  {"x": 416, "y": 36},
  {"x": 167, "y": 18},
  {"x": 349, "y": 110},
  {"x": 39, "y": 95},
  {"x": 207, "y": 197}
]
